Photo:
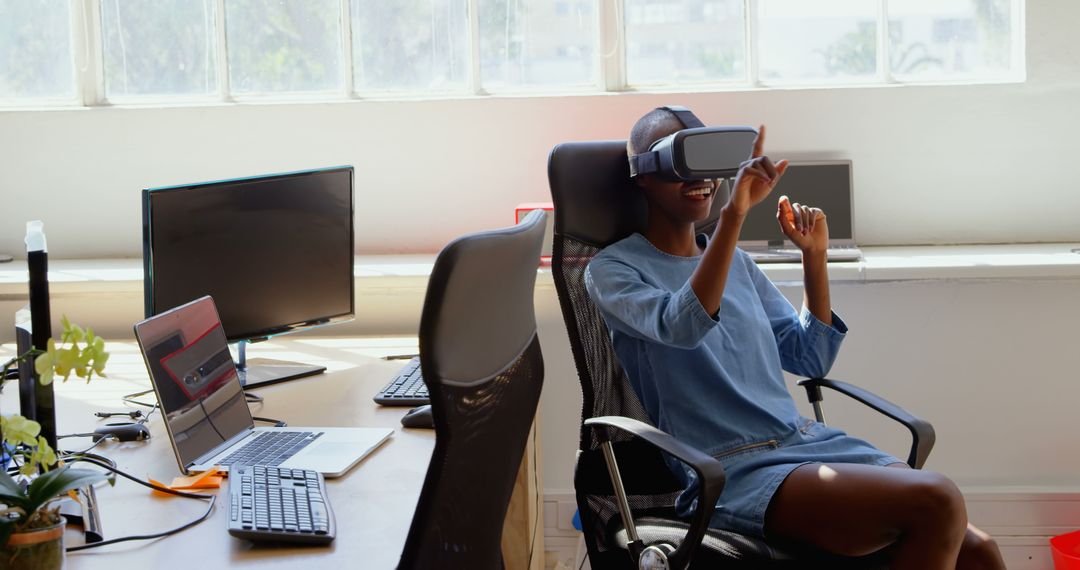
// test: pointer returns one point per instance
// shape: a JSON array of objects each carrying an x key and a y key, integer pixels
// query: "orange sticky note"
[
  {"x": 210, "y": 479},
  {"x": 159, "y": 493}
]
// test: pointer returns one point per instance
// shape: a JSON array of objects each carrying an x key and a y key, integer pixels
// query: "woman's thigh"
[{"x": 854, "y": 509}]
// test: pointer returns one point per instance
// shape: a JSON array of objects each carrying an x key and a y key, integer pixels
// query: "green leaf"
[
  {"x": 11, "y": 493},
  {"x": 58, "y": 481}
]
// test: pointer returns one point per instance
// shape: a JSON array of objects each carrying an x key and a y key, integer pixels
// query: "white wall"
[
  {"x": 990, "y": 363},
  {"x": 958, "y": 164}
]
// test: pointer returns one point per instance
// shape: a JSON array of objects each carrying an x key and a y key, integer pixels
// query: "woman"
[{"x": 704, "y": 336}]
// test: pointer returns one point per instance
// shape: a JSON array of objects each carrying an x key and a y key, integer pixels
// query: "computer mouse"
[
  {"x": 122, "y": 432},
  {"x": 418, "y": 417}
]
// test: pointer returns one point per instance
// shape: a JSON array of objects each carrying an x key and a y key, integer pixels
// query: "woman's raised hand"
[{"x": 757, "y": 176}]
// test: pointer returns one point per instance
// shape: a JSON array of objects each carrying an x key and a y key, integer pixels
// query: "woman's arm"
[
  {"x": 756, "y": 178},
  {"x": 807, "y": 229}
]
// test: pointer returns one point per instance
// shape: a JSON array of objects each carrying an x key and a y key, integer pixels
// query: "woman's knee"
[
  {"x": 933, "y": 498},
  {"x": 979, "y": 550}
]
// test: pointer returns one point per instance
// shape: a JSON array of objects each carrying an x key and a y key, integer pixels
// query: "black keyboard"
[
  {"x": 408, "y": 389},
  {"x": 271, "y": 448},
  {"x": 275, "y": 504}
]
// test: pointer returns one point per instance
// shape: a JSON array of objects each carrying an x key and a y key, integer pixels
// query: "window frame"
[{"x": 609, "y": 65}]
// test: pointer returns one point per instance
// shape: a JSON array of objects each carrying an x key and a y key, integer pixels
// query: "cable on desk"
[
  {"x": 277, "y": 423},
  {"x": 130, "y": 399},
  {"x": 77, "y": 456},
  {"x": 209, "y": 508}
]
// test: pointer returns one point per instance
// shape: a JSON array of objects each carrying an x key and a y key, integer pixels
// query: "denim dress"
[{"x": 716, "y": 381}]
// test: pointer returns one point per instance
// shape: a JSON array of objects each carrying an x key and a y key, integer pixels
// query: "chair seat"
[{"x": 726, "y": 549}]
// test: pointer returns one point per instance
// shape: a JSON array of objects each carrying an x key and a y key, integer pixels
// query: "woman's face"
[{"x": 685, "y": 201}]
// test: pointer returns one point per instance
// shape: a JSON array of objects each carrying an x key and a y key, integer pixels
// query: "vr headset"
[{"x": 697, "y": 152}]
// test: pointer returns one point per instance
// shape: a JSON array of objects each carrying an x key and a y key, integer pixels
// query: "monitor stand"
[{"x": 260, "y": 372}]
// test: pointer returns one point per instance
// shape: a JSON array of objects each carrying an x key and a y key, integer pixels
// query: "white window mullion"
[
  {"x": 751, "y": 39},
  {"x": 86, "y": 47},
  {"x": 475, "y": 83},
  {"x": 222, "y": 51},
  {"x": 884, "y": 67},
  {"x": 612, "y": 45},
  {"x": 346, "y": 48}
]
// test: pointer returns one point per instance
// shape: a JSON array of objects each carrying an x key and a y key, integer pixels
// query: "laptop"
[
  {"x": 206, "y": 412},
  {"x": 822, "y": 184}
]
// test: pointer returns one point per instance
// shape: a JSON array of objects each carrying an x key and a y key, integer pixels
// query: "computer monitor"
[
  {"x": 822, "y": 184},
  {"x": 275, "y": 252}
]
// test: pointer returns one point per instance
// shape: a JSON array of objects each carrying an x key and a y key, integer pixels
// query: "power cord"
[
  {"x": 92, "y": 459},
  {"x": 130, "y": 399}
]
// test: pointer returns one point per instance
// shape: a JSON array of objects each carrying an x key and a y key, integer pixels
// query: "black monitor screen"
[
  {"x": 275, "y": 252},
  {"x": 822, "y": 185}
]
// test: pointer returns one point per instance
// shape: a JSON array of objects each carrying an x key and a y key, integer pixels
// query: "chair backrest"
[
  {"x": 482, "y": 364},
  {"x": 597, "y": 204}
]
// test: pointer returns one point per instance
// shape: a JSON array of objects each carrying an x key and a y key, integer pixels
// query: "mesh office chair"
[
  {"x": 596, "y": 204},
  {"x": 481, "y": 361}
]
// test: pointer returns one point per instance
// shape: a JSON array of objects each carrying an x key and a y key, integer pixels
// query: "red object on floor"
[{"x": 1066, "y": 551}]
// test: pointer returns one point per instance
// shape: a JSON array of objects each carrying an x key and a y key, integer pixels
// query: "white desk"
[{"x": 373, "y": 503}]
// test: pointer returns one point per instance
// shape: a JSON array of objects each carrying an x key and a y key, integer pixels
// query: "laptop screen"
[
  {"x": 194, "y": 377},
  {"x": 825, "y": 185}
]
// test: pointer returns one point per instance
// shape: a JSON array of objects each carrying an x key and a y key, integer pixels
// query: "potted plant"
[{"x": 31, "y": 528}]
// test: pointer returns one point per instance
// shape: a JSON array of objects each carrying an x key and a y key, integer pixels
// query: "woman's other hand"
[{"x": 803, "y": 225}]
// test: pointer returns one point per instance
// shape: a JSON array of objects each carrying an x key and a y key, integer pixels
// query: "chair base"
[{"x": 726, "y": 549}]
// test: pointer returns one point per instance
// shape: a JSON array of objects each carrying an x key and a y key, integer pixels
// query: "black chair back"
[
  {"x": 481, "y": 361},
  {"x": 597, "y": 204}
]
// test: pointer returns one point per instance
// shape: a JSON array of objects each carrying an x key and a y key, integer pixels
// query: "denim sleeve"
[
  {"x": 639, "y": 309},
  {"x": 808, "y": 347}
]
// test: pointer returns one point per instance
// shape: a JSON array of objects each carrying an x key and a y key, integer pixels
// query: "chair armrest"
[
  {"x": 922, "y": 433},
  {"x": 710, "y": 474}
]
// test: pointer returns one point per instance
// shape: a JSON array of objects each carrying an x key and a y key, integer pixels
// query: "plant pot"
[{"x": 39, "y": 549}]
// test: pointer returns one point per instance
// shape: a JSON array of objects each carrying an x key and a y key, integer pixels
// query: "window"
[
  {"x": 159, "y": 47},
  {"x": 537, "y": 42},
  {"x": 950, "y": 39},
  {"x": 430, "y": 46},
  {"x": 816, "y": 42},
  {"x": 685, "y": 41},
  {"x": 64, "y": 51},
  {"x": 35, "y": 51},
  {"x": 282, "y": 46}
]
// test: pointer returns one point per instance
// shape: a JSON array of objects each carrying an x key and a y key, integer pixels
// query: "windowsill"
[
  {"x": 895, "y": 263},
  {"x": 527, "y": 92}
]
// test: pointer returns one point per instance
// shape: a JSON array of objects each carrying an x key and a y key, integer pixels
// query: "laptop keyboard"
[
  {"x": 407, "y": 389},
  {"x": 271, "y": 448}
]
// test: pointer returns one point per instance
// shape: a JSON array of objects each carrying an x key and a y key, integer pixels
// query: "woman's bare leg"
[
  {"x": 979, "y": 552},
  {"x": 852, "y": 510}
]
